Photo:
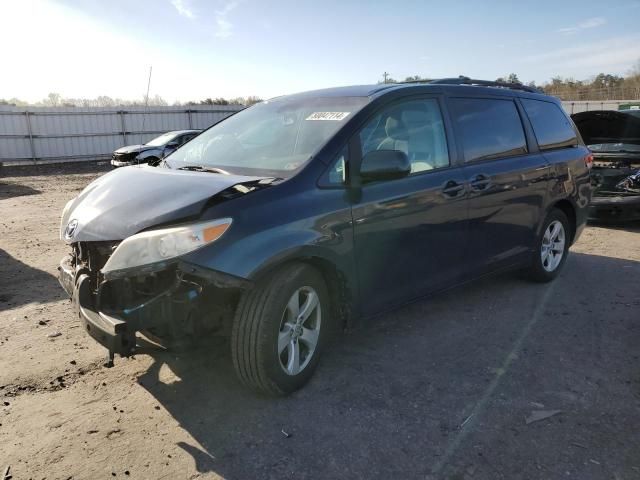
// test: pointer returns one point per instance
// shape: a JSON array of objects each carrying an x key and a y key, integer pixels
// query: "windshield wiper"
[{"x": 202, "y": 168}]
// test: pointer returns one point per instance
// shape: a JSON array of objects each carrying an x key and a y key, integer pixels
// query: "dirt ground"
[{"x": 442, "y": 388}]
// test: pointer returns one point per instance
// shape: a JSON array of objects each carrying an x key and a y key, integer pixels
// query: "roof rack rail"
[
  {"x": 461, "y": 80},
  {"x": 422, "y": 80}
]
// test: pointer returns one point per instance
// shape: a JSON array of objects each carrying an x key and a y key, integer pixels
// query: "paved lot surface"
[{"x": 438, "y": 389}]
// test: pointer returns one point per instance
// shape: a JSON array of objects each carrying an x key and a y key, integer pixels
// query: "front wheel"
[
  {"x": 551, "y": 248},
  {"x": 279, "y": 329}
]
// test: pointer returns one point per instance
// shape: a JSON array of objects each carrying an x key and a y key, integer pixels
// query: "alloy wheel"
[
  {"x": 299, "y": 330},
  {"x": 552, "y": 249}
]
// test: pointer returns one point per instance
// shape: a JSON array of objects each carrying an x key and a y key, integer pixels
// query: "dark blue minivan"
[{"x": 301, "y": 214}]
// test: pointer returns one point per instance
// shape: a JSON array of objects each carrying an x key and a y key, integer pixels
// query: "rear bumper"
[{"x": 615, "y": 209}]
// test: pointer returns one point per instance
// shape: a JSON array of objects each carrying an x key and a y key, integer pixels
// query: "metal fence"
[{"x": 51, "y": 135}]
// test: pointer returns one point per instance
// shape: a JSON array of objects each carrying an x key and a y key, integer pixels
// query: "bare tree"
[{"x": 52, "y": 100}]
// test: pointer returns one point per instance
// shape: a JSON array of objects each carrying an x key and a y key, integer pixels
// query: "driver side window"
[{"x": 414, "y": 127}]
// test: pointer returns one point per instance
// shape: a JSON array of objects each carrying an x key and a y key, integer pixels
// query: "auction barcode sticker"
[{"x": 335, "y": 116}]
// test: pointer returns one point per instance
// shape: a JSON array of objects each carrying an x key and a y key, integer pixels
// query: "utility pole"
[
  {"x": 385, "y": 75},
  {"x": 146, "y": 103},
  {"x": 146, "y": 100}
]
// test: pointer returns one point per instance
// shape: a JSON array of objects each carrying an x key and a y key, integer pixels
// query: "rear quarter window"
[
  {"x": 490, "y": 128},
  {"x": 551, "y": 126}
]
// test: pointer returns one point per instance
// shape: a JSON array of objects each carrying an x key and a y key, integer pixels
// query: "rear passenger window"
[
  {"x": 490, "y": 128},
  {"x": 550, "y": 125}
]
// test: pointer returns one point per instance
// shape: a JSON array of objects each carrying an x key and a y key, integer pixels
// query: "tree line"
[
  {"x": 603, "y": 86},
  {"x": 57, "y": 100}
]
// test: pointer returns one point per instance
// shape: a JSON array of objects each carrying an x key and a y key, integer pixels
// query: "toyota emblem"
[{"x": 71, "y": 229}]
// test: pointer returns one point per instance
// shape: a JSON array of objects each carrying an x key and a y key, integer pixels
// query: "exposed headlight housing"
[{"x": 164, "y": 244}]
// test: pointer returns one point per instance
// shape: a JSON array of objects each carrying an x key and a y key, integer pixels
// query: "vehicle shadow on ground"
[
  {"x": 436, "y": 389},
  {"x": 21, "y": 284},
  {"x": 10, "y": 190}
]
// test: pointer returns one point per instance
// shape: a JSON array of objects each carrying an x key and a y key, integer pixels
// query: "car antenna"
[{"x": 146, "y": 101}]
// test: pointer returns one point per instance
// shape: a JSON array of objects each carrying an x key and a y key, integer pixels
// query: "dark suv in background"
[{"x": 303, "y": 213}]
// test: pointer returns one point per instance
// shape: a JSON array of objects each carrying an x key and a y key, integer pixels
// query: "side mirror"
[
  {"x": 173, "y": 144},
  {"x": 384, "y": 165}
]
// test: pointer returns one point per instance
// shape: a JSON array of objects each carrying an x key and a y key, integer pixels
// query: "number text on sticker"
[{"x": 335, "y": 116}]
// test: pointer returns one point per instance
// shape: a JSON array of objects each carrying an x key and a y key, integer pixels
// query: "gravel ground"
[{"x": 442, "y": 388}]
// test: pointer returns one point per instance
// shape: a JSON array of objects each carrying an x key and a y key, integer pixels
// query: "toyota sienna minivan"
[{"x": 302, "y": 214}]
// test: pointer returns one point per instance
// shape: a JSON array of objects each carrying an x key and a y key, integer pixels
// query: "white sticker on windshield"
[{"x": 335, "y": 116}]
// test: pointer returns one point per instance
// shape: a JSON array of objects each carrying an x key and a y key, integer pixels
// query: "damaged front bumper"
[
  {"x": 123, "y": 163},
  {"x": 188, "y": 300},
  {"x": 111, "y": 332}
]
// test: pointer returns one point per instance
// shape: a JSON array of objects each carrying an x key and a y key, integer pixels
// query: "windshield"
[
  {"x": 274, "y": 138},
  {"x": 161, "y": 140}
]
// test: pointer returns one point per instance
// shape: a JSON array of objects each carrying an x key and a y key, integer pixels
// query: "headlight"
[{"x": 163, "y": 244}]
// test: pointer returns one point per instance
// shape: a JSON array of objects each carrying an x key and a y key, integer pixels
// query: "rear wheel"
[
  {"x": 279, "y": 330},
  {"x": 552, "y": 248}
]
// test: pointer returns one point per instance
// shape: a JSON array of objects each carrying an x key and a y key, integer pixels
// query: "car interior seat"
[{"x": 397, "y": 134}]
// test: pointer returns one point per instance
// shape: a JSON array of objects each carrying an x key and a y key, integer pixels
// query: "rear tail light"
[{"x": 588, "y": 160}]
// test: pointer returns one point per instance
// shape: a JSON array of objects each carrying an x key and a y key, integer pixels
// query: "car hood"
[
  {"x": 608, "y": 126},
  {"x": 134, "y": 149},
  {"x": 127, "y": 200}
]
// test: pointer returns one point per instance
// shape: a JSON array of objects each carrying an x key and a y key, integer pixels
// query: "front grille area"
[{"x": 91, "y": 257}]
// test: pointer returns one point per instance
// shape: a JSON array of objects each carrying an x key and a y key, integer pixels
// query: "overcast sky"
[{"x": 208, "y": 48}]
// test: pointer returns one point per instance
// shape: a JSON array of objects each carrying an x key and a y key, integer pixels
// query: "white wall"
[{"x": 47, "y": 135}]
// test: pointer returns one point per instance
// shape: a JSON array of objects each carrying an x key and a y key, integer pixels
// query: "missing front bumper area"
[
  {"x": 111, "y": 332},
  {"x": 183, "y": 300}
]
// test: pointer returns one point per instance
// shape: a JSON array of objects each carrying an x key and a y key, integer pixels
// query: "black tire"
[
  {"x": 257, "y": 326},
  {"x": 537, "y": 271}
]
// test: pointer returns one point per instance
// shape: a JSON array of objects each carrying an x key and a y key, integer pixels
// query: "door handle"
[
  {"x": 452, "y": 188},
  {"x": 480, "y": 182}
]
